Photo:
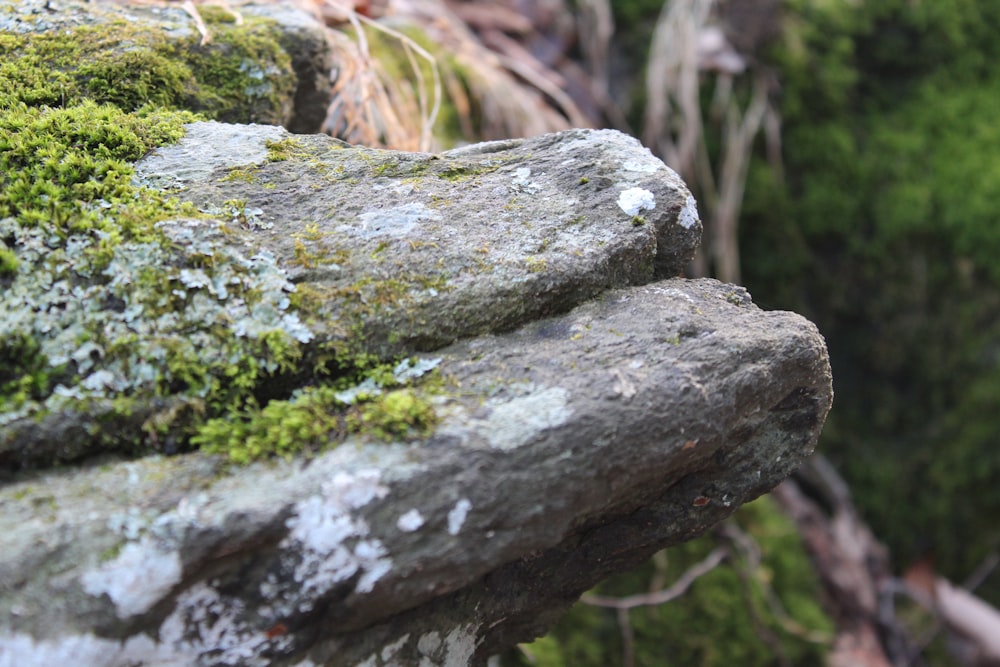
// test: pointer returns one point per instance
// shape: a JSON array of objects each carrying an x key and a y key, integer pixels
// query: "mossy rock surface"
[
  {"x": 58, "y": 55},
  {"x": 435, "y": 380},
  {"x": 296, "y": 260},
  {"x": 567, "y": 450}
]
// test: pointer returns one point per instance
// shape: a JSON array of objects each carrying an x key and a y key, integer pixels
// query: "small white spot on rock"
[
  {"x": 321, "y": 530},
  {"x": 371, "y": 557},
  {"x": 456, "y": 517},
  {"x": 623, "y": 385},
  {"x": 635, "y": 200},
  {"x": 139, "y": 577},
  {"x": 688, "y": 216},
  {"x": 522, "y": 181},
  {"x": 521, "y": 419},
  {"x": 102, "y": 379},
  {"x": 396, "y": 221},
  {"x": 410, "y": 521},
  {"x": 456, "y": 649},
  {"x": 389, "y": 651},
  {"x": 645, "y": 166},
  {"x": 429, "y": 643}
]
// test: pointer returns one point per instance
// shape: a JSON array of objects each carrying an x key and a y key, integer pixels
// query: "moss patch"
[
  {"x": 317, "y": 416},
  {"x": 241, "y": 75}
]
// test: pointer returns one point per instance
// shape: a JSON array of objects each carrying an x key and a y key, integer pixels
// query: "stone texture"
[
  {"x": 406, "y": 251},
  {"x": 595, "y": 407},
  {"x": 575, "y": 446},
  {"x": 509, "y": 230}
]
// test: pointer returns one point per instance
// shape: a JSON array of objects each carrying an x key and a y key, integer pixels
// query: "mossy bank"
[{"x": 108, "y": 316}]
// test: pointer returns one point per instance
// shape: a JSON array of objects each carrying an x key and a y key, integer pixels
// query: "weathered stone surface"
[
  {"x": 506, "y": 231},
  {"x": 590, "y": 407},
  {"x": 406, "y": 252},
  {"x": 570, "y": 448}
]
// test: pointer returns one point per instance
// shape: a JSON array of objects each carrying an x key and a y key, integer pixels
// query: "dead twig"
[{"x": 679, "y": 587}]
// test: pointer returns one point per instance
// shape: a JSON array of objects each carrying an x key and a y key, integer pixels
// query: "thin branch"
[
  {"x": 427, "y": 118},
  {"x": 738, "y": 144},
  {"x": 679, "y": 587},
  {"x": 752, "y": 558},
  {"x": 539, "y": 81},
  {"x": 745, "y": 572},
  {"x": 983, "y": 570}
]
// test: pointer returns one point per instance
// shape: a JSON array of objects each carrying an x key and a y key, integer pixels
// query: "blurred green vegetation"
[
  {"x": 889, "y": 236},
  {"x": 724, "y": 619}
]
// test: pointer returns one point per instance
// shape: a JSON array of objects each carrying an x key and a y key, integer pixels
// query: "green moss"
[
  {"x": 243, "y": 174},
  {"x": 25, "y": 371},
  {"x": 536, "y": 264},
  {"x": 107, "y": 313},
  {"x": 285, "y": 149},
  {"x": 8, "y": 262},
  {"x": 457, "y": 172},
  {"x": 161, "y": 328},
  {"x": 66, "y": 170},
  {"x": 397, "y": 414},
  {"x": 241, "y": 75},
  {"x": 317, "y": 417},
  {"x": 314, "y": 249},
  {"x": 282, "y": 427},
  {"x": 886, "y": 220}
]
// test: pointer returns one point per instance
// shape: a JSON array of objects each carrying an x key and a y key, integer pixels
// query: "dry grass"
[{"x": 496, "y": 87}]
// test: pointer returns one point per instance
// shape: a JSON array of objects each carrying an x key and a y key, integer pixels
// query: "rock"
[
  {"x": 570, "y": 448},
  {"x": 394, "y": 252},
  {"x": 275, "y": 68},
  {"x": 268, "y": 399}
]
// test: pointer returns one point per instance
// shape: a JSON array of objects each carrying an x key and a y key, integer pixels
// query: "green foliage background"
[
  {"x": 721, "y": 621},
  {"x": 889, "y": 238}
]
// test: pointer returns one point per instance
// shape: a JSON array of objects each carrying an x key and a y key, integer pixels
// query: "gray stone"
[
  {"x": 405, "y": 252},
  {"x": 593, "y": 407},
  {"x": 571, "y": 448}
]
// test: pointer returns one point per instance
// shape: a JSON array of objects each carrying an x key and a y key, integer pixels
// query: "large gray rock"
[
  {"x": 574, "y": 447},
  {"x": 591, "y": 407}
]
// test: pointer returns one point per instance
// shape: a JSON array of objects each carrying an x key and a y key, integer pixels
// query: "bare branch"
[{"x": 679, "y": 588}]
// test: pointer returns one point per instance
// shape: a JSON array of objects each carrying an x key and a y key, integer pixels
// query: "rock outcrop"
[{"x": 461, "y": 389}]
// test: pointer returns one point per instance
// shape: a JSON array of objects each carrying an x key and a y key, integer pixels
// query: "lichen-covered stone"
[
  {"x": 414, "y": 404},
  {"x": 569, "y": 449},
  {"x": 272, "y": 68},
  {"x": 311, "y": 253}
]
